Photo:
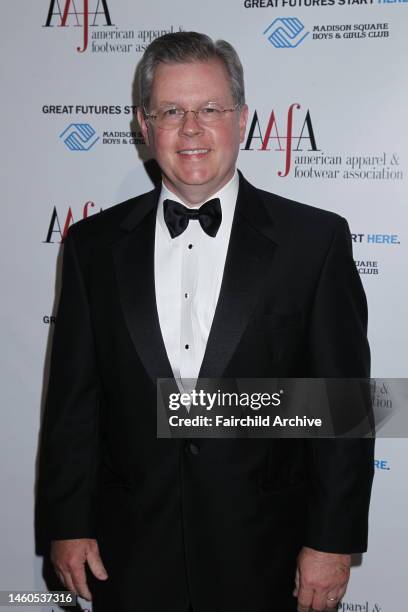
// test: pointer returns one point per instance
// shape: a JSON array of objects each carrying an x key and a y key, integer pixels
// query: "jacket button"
[{"x": 193, "y": 448}]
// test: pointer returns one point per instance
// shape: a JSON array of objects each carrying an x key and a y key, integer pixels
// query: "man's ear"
[
  {"x": 243, "y": 118},
  {"x": 143, "y": 125}
]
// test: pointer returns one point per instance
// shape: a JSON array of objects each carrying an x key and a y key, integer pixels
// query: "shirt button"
[
  {"x": 190, "y": 246},
  {"x": 186, "y": 295},
  {"x": 186, "y": 346},
  {"x": 193, "y": 448}
]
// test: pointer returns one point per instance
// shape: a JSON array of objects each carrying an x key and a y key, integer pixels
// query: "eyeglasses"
[{"x": 171, "y": 118}]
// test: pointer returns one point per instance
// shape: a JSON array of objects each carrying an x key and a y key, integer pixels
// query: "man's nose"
[{"x": 190, "y": 125}]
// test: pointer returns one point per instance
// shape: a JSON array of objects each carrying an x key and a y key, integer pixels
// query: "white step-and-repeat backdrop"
[{"x": 327, "y": 90}]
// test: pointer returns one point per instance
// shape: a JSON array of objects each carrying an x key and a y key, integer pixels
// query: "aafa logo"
[
  {"x": 54, "y": 228},
  {"x": 286, "y": 32},
  {"x": 66, "y": 13},
  {"x": 79, "y": 137},
  {"x": 286, "y": 143}
]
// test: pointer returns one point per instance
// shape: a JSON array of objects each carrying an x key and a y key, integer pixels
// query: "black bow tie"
[{"x": 178, "y": 216}]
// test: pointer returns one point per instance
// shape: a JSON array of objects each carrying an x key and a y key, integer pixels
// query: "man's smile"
[{"x": 195, "y": 152}]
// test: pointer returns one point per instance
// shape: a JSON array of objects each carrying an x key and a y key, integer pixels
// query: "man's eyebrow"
[
  {"x": 175, "y": 103},
  {"x": 168, "y": 102}
]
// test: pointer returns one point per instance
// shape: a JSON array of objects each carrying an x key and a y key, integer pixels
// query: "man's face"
[{"x": 191, "y": 86}]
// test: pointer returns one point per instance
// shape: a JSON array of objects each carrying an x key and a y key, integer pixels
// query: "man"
[{"x": 207, "y": 276}]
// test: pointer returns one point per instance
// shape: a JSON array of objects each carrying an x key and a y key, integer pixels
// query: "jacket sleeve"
[
  {"x": 69, "y": 446},
  {"x": 341, "y": 469}
]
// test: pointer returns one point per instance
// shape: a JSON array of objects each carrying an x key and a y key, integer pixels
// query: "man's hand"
[
  {"x": 321, "y": 579},
  {"x": 69, "y": 558}
]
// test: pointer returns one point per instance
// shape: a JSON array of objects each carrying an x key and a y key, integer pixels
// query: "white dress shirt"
[{"x": 188, "y": 271}]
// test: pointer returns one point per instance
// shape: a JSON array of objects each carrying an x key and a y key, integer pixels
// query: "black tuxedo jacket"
[{"x": 214, "y": 522}]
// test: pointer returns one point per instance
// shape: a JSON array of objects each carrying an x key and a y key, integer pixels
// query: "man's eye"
[
  {"x": 209, "y": 110},
  {"x": 172, "y": 112}
]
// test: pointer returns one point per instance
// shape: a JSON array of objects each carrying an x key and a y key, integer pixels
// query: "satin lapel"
[
  {"x": 249, "y": 258},
  {"x": 134, "y": 262}
]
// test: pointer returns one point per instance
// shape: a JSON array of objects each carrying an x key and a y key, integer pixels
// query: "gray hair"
[{"x": 182, "y": 47}]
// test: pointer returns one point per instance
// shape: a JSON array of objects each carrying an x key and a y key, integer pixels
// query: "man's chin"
[
  {"x": 187, "y": 180},
  {"x": 192, "y": 179}
]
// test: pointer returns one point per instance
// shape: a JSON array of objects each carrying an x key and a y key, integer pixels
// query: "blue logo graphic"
[
  {"x": 286, "y": 32},
  {"x": 79, "y": 137}
]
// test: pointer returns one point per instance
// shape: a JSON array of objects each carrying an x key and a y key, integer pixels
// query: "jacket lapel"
[
  {"x": 134, "y": 262},
  {"x": 249, "y": 258}
]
